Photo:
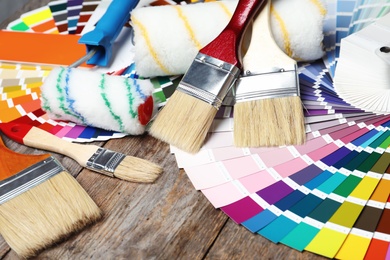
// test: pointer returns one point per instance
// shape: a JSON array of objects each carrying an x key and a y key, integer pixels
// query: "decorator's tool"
[
  {"x": 268, "y": 109},
  {"x": 90, "y": 98},
  {"x": 93, "y": 157},
  {"x": 188, "y": 114},
  {"x": 40, "y": 202}
]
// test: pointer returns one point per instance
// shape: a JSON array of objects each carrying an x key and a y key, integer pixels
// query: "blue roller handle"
[{"x": 106, "y": 30}]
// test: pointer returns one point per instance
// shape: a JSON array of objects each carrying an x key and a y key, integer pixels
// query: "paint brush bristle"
[
  {"x": 46, "y": 214},
  {"x": 137, "y": 170},
  {"x": 40, "y": 203},
  {"x": 272, "y": 122},
  {"x": 193, "y": 115}
]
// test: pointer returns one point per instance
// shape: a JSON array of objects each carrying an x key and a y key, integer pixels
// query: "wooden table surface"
[{"x": 168, "y": 219}]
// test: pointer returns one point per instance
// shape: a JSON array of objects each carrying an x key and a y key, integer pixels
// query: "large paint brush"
[
  {"x": 268, "y": 109},
  {"x": 40, "y": 203},
  {"x": 188, "y": 114},
  {"x": 93, "y": 157}
]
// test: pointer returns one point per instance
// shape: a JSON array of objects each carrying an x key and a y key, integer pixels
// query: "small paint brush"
[
  {"x": 93, "y": 157},
  {"x": 40, "y": 202},
  {"x": 188, "y": 114},
  {"x": 268, "y": 109}
]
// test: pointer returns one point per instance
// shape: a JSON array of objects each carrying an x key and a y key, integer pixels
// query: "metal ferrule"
[
  {"x": 29, "y": 178},
  {"x": 277, "y": 82},
  {"x": 105, "y": 161},
  {"x": 230, "y": 98},
  {"x": 209, "y": 79}
]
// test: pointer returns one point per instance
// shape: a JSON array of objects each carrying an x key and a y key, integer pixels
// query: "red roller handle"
[{"x": 227, "y": 44}]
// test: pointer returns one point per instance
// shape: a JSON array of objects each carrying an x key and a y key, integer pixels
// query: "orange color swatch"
[{"x": 40, "y": 48}]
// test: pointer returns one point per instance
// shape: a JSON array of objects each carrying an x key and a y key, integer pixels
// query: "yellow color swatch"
[
  {"x": 326, "y": 243},
  {"x": 36, "y": 16},
  {"x": 365, "y": 188},
  {"x": 354, "y": 247}
]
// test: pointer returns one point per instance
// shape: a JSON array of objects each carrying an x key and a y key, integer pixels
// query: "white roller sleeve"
[
  {"x": 167, "y": 38},
  {"x": 99, "y": 100}
]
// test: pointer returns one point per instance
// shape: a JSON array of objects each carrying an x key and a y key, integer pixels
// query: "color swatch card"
[
  {"x": 324, "y": 218},
  {"x": 18, "y": 25},
  {"x": 337, "y": 228},
  {"x": 379, "y": 244},
  {"x": 80, "y": 16},
  {"x": 366, "y": 13},
  {"x": 73, "y": 9},
  {"x": 59, "y": 11},
  {"x": 345, "y": 17},
  {"x": 361, "y": 234},
  {"x": 369, "y": 90},
  {"x": 40, "y": 48},
  {"x": 311, "y": 164},
  {"x": 40, "y": 20}
]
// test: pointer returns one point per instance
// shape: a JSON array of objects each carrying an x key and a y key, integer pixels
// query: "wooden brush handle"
[
  {"x": 12, "y": 162},
  {"x": 227, "y": 44},
  {"x": 35, "y": 137},
  {"x": 263, "y": 52}
]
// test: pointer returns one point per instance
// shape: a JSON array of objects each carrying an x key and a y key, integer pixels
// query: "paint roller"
[
  {"x": 167, "y": 38},
  {"x": 89, "y": 98}
]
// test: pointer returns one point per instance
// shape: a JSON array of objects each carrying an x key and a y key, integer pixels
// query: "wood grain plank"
[
  {"x": 4, "y": 248},
  {"x": 167, "y": 219}
]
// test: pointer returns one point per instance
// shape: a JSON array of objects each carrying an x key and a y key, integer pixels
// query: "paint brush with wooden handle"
[
  {"x": 40, "y": 202},
  {"x": 268, "y": 109},
  {"x": 93, "y": 157}
]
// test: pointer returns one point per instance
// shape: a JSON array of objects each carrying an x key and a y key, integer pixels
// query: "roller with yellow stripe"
[{"x": 167, "y": 38}]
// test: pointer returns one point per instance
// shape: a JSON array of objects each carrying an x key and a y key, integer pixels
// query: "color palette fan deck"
[{"x": 327, "y": 196}]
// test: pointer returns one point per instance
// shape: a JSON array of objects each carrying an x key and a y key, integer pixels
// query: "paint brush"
[
  {"x": 188, "y": 114},
  {"x": 40, "y": 202},
  {"x": 268, "y": 109},
  {"x": 93, "y": 157}
]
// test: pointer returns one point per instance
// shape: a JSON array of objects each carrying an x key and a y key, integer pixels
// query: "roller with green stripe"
[{"x": 89, "y": 98}]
